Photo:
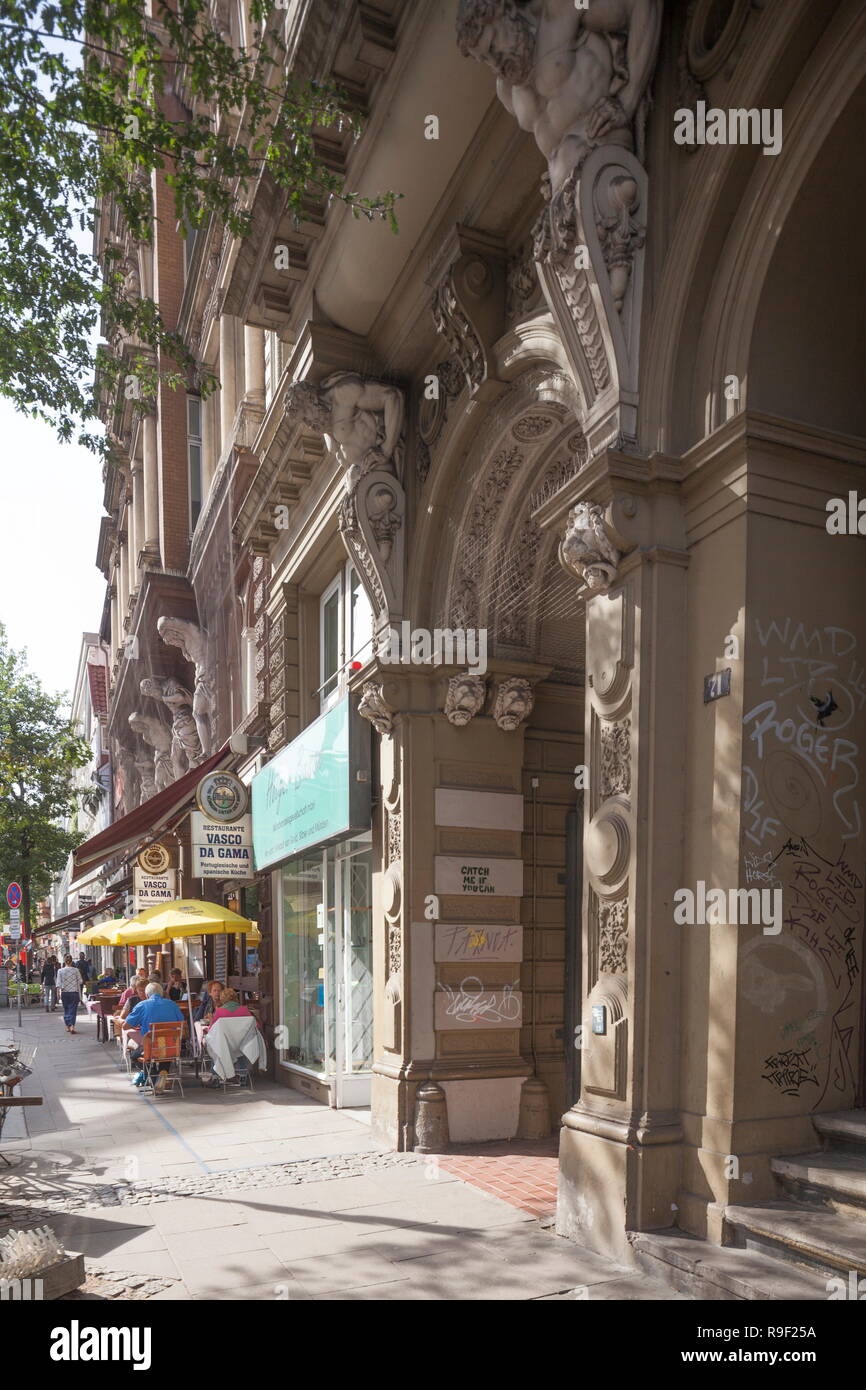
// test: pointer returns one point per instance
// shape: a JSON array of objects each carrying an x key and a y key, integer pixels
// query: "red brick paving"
[{"x": 522, "y": 1173}]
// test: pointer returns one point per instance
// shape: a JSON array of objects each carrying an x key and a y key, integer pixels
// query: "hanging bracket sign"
[
  {"x": 220, "y": 849},
  {"x": 153, "y": 888}
]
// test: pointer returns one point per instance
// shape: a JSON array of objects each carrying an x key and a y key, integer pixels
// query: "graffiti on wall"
[{"x": 802, "y": 829}]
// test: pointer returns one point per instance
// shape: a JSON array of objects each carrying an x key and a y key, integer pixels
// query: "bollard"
[
  {"x": 431, "y": 1119},
  {"x": 534, "y": 1121}
]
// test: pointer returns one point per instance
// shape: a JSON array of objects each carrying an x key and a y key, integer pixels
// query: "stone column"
[
  {"x": 210, "y": 444},
  {"x": 150, "y": 537},
  {"x": 115, "y": 621},
  {"x": 123, "y": 581},
  {"x": 254, "y": 364},
  {"x": 136, "y": 520},
  {"x": 231, "y": 350},
  {"x": 620, "y": 1151}
]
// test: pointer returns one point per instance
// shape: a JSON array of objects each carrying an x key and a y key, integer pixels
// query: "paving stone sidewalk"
[{"x": 242, "y": 1196}]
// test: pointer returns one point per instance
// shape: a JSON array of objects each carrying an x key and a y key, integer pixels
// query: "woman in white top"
[{"x": 69, "y": 984}]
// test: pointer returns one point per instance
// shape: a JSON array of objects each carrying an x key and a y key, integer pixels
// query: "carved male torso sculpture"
[
  {"x": 178, "y": 632},
  {"x": 575, "y": 78},
  {"x": 186, "y": 750},
  {"x": 360, "y": 419},
  {"x": 159, "y": 738}
]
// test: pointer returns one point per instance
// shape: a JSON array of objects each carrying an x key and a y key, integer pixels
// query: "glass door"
[
  {"x": 350, "y": 961},
  {"x": 303, "y": 961},
  {"x": 327, "y": 967}
]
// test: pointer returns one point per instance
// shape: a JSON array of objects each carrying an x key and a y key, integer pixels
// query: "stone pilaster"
[
  {"x": 447, "y": 896},
  {"x": 620, "y": 1147}
]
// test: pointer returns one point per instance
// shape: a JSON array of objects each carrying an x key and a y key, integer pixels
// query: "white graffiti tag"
[{"x": 475, "y": 1006}]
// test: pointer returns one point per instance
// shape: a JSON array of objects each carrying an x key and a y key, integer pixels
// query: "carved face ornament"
[
  {"x": 514, "y": 701},
  {"x": 464, "y": 699}
]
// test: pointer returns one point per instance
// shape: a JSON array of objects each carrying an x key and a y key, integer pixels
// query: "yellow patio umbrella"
[
  {"x": 139, "y": 932},
  {"x": 131, "y": 934},
  {"x": 192, "y": 917},
  {"x": 184, "y": 917},
  {"x": 103, "y": 934}
]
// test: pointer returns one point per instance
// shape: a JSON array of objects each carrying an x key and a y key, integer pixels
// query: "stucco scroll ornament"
[
  {"x": 465, "y": 698},
  {"x": 373, "y": 706},
  {"x": 586, "y": 550},
  {"x": 361, "y": 422},
  {"x": 178, "y": 632},
  {"x": 514, "y": 701},
  {"x": 186, "y": 751}
]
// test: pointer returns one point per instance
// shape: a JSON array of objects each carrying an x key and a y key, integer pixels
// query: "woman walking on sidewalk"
[{"x": 69, "y": 984}]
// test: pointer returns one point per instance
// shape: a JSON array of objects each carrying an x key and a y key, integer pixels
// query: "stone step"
[
  {"x": 815, "y": 1237},
  {"x": 842, "y": 1127},
  {"x": 835, "y": 1179},
  {"x": 722, "y": 1273}
]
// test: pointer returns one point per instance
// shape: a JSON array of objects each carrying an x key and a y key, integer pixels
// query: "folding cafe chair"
[{"x": 162, "y": 1043}]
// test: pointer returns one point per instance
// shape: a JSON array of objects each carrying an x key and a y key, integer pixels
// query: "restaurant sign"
[
  {"x": 221, "y": 850},
  {"x": 316, "y": 790},
  {"x": 150, "y": 889}
]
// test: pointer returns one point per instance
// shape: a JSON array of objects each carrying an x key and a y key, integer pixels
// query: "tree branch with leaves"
[{"x": 95, "y": 97}]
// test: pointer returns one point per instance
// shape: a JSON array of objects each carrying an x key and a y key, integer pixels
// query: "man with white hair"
[{"x": 154, "y": 1008}]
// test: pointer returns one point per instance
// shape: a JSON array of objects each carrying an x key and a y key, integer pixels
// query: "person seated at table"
[
  {"x": 107, "y": 980},
  {"x": 129, "y": 993},
  {"x": 155, "y": 1008},
  {"x": 231, "y": 1007},
  {"x": 210, "y": 1001},
  {"x": 176, "y": 986},
  {"x": 136, "y": 994}
]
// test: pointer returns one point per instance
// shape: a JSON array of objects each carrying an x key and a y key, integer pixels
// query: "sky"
[{"x": 50, "y": 504}]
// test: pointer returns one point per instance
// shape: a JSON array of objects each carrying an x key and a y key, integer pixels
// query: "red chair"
[{"x": 162, "y": 1044}]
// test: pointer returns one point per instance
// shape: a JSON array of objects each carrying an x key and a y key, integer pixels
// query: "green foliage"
[
  {"x": 95, "y": 97},
  {"x": 40, "y": 753}
]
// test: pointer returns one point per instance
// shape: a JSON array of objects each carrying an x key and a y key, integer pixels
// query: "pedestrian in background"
[
  {"x": 69, "y": 984},
  {"x": 49, "y": 983}
]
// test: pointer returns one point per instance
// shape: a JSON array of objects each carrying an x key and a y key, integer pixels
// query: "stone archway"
[{"x": 492, "y": 576}]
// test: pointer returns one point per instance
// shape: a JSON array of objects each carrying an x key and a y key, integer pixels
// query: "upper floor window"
[
  {"x": 193, "y": 453},
  {"x": 345, "y": 633}
]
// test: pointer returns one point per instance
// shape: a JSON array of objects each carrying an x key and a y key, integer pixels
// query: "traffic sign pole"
[{"x": 13, "y": 898}]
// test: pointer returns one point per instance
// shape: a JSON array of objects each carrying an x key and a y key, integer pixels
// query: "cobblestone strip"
[
  {"x": 147, "y": 1191},
  {"x": 103, "y": 1283}
]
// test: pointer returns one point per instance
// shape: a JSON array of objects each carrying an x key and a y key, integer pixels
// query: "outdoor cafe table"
[{"x": 102, "y": 1008}]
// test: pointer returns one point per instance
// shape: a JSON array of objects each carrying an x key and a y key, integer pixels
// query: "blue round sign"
[{"x": 13, "y": 895}]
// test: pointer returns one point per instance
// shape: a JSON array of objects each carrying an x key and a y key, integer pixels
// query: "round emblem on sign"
[
  {"x": 155, "y": 859},
  {"x": 221, "y": 796}
]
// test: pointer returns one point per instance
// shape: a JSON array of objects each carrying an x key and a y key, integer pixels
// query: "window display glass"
[{"x": 303, "y": 983}]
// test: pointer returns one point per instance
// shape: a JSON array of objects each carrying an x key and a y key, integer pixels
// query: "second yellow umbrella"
[{"x": 103, "y": 934}]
